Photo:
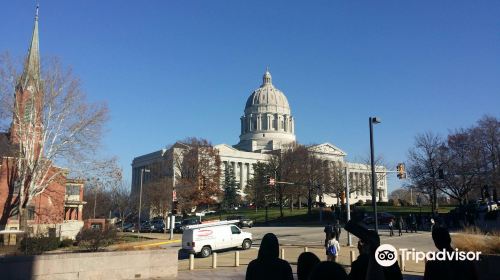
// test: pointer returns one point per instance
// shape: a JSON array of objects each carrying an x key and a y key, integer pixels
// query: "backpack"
[{"x": 332, "y": 250}]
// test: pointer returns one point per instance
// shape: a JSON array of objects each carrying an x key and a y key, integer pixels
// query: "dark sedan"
[
  {"x": 242, "y": 221},
  {"x": 179, "y": 228}
]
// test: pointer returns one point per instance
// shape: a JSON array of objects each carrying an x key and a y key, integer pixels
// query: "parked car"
[
  {"x": 383, "y": 218},
  {"x": 179, "y": 228},
  {"x": 129, "y": 227},
  {"x": 243, "y": 221},
  {"x": 206, "y": 238},
  {"x": 145, "y": 227},
  {"x": 157, "y": 226}
]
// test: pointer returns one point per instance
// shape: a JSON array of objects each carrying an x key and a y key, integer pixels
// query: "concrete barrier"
[
  {"x": 191, "y": 261},
  {"x": 103, "y": 265},
  {"x": 237, "y": 258},
  {"x": 402, "y": 263},
  {"x": 214, "y": 260},
  {"x": 353, "y": 256}
]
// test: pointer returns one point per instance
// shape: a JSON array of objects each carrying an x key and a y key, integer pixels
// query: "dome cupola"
[{"x": 267, "y": 122}]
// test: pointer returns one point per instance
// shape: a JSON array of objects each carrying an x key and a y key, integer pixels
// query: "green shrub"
[
  {"x": 95, "y": 239},
  {"x": 38, "y": 244},
  {"x": 67, "y": 243}
]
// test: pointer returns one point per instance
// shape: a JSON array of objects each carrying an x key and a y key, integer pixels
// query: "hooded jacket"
[{"x": 268, "y": 265}]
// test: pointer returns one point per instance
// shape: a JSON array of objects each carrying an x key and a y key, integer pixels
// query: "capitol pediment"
[
  {"x": 225, "y": 147},
  {"x": 327, "y": 148}
]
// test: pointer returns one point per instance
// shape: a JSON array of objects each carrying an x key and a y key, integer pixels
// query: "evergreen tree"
[{"x": 231, "y": 196}]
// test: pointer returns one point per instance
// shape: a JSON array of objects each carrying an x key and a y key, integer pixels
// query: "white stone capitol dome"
[
  {"x": 267, "y": 98},
  {"x": 267, "y": 123}
]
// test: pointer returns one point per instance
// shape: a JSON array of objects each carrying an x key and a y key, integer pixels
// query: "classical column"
[
  {"x": 367, "y": 183},
  {"x": 240, "y": 165},
  {"x": 259, "y": 122}
]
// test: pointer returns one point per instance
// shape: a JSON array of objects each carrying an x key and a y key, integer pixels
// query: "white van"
[{"x": 205, "y": 238}]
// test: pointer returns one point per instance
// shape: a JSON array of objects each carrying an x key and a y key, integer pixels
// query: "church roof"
[{"x": 31, "y": 71}]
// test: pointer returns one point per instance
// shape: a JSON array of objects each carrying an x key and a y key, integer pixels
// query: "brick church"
[{"x": 59, "y": 207}]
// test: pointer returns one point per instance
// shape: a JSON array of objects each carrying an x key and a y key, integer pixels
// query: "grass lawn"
[
  {"x": 405, "y": 209},
  {"x": 126, "y": 237},
  {"x": 259, "y": 216},
  {"x": 300, "y": 215}
]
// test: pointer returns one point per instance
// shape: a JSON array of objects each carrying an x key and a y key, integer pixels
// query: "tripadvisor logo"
[{"x": 387, "y": 255}]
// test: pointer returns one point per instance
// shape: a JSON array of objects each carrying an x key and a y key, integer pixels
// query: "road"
[{"x": 314, "y": 236}]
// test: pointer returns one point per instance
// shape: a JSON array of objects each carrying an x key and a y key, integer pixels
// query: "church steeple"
[
  {"x": 31, "y": 71},
  {"x": 29, "y": 96}
]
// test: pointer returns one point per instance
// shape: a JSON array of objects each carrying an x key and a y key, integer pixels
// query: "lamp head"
[{"x": 376, "y": 120}]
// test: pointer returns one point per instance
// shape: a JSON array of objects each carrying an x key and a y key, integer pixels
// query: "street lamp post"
[
  {"x": 347, "y": 194},
  {"x": 172, "y": 216},
  {"x": 373, "y": 120},
  {"x": 140, "y": 199}
]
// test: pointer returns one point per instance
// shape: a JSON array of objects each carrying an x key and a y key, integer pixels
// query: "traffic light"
[
  {"x": 270, "y": 181},
  {"x": 401, "y": 171}
]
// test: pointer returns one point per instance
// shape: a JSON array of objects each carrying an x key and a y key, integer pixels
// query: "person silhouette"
[
  {"x": 305, "y": 265},
  {"x": 328, "y": 270},
  {"x": 447, "y": 269},
  {"x": 268, "y": 265}
]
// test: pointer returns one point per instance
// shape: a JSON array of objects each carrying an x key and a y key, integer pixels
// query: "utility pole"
[
  {"x": 347, "y": 192},
  {"x": 140, "y": 199}
]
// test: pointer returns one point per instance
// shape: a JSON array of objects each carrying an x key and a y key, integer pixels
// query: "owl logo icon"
[{"x": 386, "y": 255}]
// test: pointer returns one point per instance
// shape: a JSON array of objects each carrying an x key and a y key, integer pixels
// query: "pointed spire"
[
  {"x": 267, "y": 79},
  {"x": 31, "y": 71}
]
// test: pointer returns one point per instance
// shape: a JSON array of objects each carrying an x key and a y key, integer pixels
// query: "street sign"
[{"x": 174, "y": 195}]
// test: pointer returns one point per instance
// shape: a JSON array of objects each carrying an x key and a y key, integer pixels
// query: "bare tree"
[
  {"x": 122, "y": 201},
  {"x": 461, "y": 166},
  {"x": 426, "y": 158},
  {"x": 52, "y": 124},
  {"x": 487, "y": 136},
  {"x": 158, "y": 195}
]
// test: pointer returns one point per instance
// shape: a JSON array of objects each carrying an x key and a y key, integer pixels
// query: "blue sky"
[{"x": 173, "y": 69}]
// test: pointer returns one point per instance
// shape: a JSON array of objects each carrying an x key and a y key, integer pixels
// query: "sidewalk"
[
  {"x": 226, "y": 260},
  {"x": 238, "y": 273}
]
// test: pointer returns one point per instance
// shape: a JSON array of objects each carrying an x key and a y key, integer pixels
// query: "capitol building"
[{"x": 267, "y": 125}]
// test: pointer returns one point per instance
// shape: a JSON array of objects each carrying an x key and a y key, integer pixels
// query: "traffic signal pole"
[{"x": 374, "y": 177}]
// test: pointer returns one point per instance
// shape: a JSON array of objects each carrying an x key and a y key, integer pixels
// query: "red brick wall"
[{"x": 48, "y": 206}]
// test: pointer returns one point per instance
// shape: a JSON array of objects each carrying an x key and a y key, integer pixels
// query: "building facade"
[
  {"x": 268, "y": 125},
  {"x": 59, "y": 206}
]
